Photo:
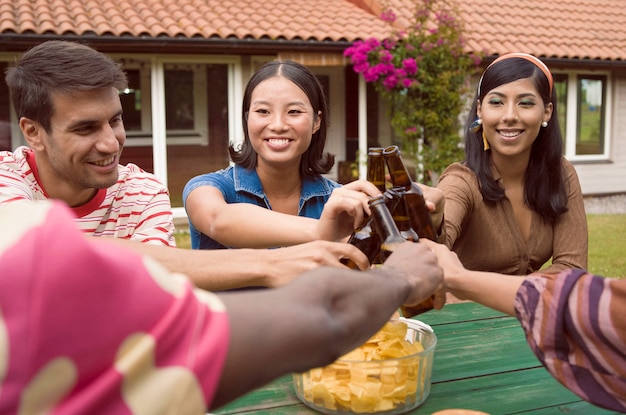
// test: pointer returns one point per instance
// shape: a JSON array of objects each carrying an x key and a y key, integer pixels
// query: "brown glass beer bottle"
[
  {"x": 367, "y": 240},
  {"x": 419, "y": 216},
  {"x": 385, "y": 227},
  {"x": 398, "y": 208},
  {"x": 364, "y": 237},
  {"x": 376, "y": 167}
]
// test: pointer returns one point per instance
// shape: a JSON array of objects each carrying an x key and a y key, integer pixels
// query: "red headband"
[{"x": 530, "y": 58}]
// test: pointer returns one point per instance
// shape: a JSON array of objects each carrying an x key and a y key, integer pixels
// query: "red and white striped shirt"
[{"x": 137, "y": 207}]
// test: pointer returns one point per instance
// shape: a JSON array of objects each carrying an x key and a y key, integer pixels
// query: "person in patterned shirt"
[
  {"x": 89, "y": 327},
  {"x": 67, "y": 102},
  {"x": 573, "y": 320}
]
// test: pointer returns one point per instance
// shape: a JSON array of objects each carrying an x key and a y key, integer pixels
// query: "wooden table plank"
[
  {"x": 480, "y": 347},
  {"x": 523, "y": 391},
  {"x": 455, "y": 313},
  {"x": 269, "y": 398}
]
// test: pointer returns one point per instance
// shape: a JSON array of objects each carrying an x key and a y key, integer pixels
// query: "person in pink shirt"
[{"x": 87, "y": 326}]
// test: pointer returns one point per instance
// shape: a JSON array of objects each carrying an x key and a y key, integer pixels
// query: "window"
[
  {"x": 185, "y": 103},
  {"x": 5, "y": 114},
  {"x": 195, "y": 109},
  {"x": 583, "y": 114}
]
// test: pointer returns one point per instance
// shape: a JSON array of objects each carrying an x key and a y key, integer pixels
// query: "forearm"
[
  {"x": 243, "y": 225},
  {"x": 493, "y": 290},
  {"x": 210, "y": 270},
  {"x": 321, "y": 316}
]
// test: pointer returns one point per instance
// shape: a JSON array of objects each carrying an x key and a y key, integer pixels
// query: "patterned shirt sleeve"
[
  {"x": 574, "y": 323},
  {"x": 88, "y": 327}
]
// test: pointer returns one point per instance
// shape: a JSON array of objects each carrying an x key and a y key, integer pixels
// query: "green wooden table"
[{"x": 482, "y": 362}]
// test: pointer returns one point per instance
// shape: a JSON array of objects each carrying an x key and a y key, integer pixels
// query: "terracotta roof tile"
[
  {"x": 319, "y": 20},
  {"x": 576, "y": 29}
]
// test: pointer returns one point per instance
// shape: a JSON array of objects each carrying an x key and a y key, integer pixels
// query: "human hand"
[
  {"x": 289, "y": 262},
  {"x": 453, "y": 269},
  {"x": 418, "y": 265},
  {"x": 346, "y": 209}
]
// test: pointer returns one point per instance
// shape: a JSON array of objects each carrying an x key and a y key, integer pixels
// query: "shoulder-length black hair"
[
  {"x": 544, "y": 185},
  {"x": 315, "y": 160}
]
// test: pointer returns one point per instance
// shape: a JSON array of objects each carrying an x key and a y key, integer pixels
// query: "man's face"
[{"x": 82, "y": 151}]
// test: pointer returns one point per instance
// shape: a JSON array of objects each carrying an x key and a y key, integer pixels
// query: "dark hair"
[
  {"x": 314, "y": 160},
  {"x": 544, "y": 188},
  {"x": 58, "y": 67}
]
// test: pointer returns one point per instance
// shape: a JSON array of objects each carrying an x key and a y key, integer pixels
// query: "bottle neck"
[
  {"x": 376, "y": 170},
  {"x": 399, "y": 211},
  {"x": 398, "y": 172},
  {"x": 383, "y": 220}
]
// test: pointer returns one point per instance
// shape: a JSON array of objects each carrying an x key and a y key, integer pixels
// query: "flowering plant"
[{"x": 421, "y": 69}]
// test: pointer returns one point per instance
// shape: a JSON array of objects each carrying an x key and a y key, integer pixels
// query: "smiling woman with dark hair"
[
  {"x": 515, "y": 202},
  {"x": 275, "y": 192}
]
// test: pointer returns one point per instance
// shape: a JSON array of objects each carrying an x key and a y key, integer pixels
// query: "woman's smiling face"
[
  {"x": 511, "y": 116},
  {"x": 281, "y": 121}
]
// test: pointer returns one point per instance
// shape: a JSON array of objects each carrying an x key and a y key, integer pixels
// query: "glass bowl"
[{"x": 391, "y": 385}]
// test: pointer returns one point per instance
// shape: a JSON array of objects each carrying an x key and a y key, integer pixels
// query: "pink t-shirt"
[{"x": 89, "y": 327}]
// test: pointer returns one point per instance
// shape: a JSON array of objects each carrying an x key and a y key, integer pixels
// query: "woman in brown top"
[{"x": 515, "y": 202}]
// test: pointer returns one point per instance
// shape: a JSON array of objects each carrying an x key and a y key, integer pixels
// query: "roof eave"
[{"x": 13, "y": 42}]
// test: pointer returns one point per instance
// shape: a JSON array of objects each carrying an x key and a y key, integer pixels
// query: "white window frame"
[
  {"x": 159, "y": 136},
  {"x": 199, "y": 135},
  {"x": 572, "y": 116}
]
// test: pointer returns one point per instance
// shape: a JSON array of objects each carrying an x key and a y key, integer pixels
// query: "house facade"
[{"x": 188, "y": 62}]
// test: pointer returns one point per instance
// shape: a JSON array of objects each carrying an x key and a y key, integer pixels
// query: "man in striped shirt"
[
  {"x": 573, "y": 320},
  {"x": 66, "y": 98},
  {"x": 71, "y": 118}
]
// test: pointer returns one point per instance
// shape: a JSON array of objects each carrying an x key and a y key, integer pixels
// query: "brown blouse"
[{"x": 486, "y": 237}]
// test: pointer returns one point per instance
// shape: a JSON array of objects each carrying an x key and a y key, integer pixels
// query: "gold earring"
[{"x": 485, "y": 142}]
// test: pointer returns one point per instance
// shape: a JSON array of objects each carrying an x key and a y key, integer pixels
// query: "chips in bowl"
[{"x": 388, "y": 374}]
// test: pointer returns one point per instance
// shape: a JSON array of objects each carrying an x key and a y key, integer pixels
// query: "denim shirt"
[{"x": 239, "y": 185}]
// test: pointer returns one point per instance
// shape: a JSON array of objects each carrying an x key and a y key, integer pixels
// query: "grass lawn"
[{"x": 607, "y": 244}]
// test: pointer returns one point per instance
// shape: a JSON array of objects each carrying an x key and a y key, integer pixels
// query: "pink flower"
[
  {"x": 372, "y": 43},
  {"x": 371, "y": 75},
  {"x": 410, "y": 66},
  {"x": 388, "y": 16},
  {"x": 390, "y": 82},
  {"x": 385, "y": 56},
  {"x": 400, "y": 73},
  {"x": 361, "y": 67}
]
